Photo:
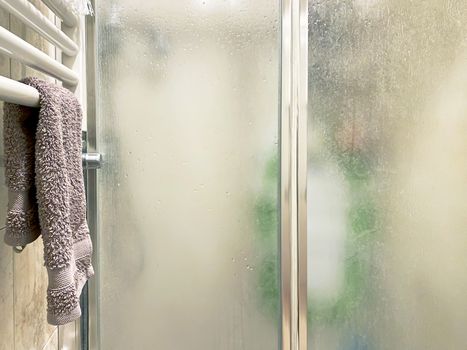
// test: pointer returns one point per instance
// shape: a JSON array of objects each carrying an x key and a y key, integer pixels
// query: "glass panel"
[
  {"x": 188, "y": 124},
  {"x": 387, "y": 181}
]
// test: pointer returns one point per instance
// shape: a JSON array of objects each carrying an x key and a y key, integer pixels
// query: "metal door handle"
[{"x": 92, "y": 160}]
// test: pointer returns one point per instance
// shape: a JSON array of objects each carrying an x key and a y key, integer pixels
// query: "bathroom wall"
[{"x": 23, "y": 278}]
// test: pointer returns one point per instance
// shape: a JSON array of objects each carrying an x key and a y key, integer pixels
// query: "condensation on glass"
[
  {"x": 188, "y": 210},
  {"x": 387, "y": 174}
]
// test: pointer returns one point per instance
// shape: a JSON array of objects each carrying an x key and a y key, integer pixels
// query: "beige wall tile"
[
  {"x": 6, "y": 295},
  {"x": 52, "y": 343},
  {"x": 30, "y": 278},
  {"x": 6, "y": 253},
  {"x": 67, "y": 336}
]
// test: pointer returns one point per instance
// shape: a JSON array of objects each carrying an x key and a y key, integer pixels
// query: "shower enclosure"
[{"x": 213, "y": 119}]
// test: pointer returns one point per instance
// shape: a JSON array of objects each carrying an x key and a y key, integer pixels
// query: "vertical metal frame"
[
  {"x": 301, "y": 41},
  {"x": 294, "y": 92},
  {"x": 286, "y": 176},
  {"x": 93, "y": 290}
]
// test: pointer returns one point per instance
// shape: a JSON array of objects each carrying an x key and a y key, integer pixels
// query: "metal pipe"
[
  {"x": 15, "y": 92},
  {"x": 68, "y": 17},
  {"x": 32, "y": 17},
  {"x": 18, "y": 49}
]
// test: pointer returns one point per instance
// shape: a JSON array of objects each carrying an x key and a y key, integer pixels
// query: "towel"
[{"x": 46, "y": 194}]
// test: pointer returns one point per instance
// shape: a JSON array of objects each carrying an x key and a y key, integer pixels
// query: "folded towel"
[{"x": 44, "y": 177}]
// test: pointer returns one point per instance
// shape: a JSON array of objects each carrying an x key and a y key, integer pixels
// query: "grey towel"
[{"x": 44, "y": 177}]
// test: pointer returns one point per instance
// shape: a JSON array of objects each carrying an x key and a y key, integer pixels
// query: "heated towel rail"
[
  {"x": 15, "y": 92},
  {"x": 33, "y": 18},
  {"x": 66, "y": 40}
]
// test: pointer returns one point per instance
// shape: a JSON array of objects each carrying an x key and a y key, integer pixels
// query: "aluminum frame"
[
  {"x": 286, "y": 178},
  {"x": 301, "y": 71},
  {"x": 293, "y": 190},
  {"x": 92, "y": 188}
]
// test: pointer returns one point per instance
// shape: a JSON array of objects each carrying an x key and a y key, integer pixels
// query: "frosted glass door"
[
  {"x": 187, "y": 121},
  {"x": 387, "y": 183}
]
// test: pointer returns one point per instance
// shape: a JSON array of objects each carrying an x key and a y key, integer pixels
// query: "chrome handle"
[{"x": 92, "y": 160}]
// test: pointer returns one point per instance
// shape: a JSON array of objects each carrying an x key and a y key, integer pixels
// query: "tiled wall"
[{"x": 23, "y": 277}]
